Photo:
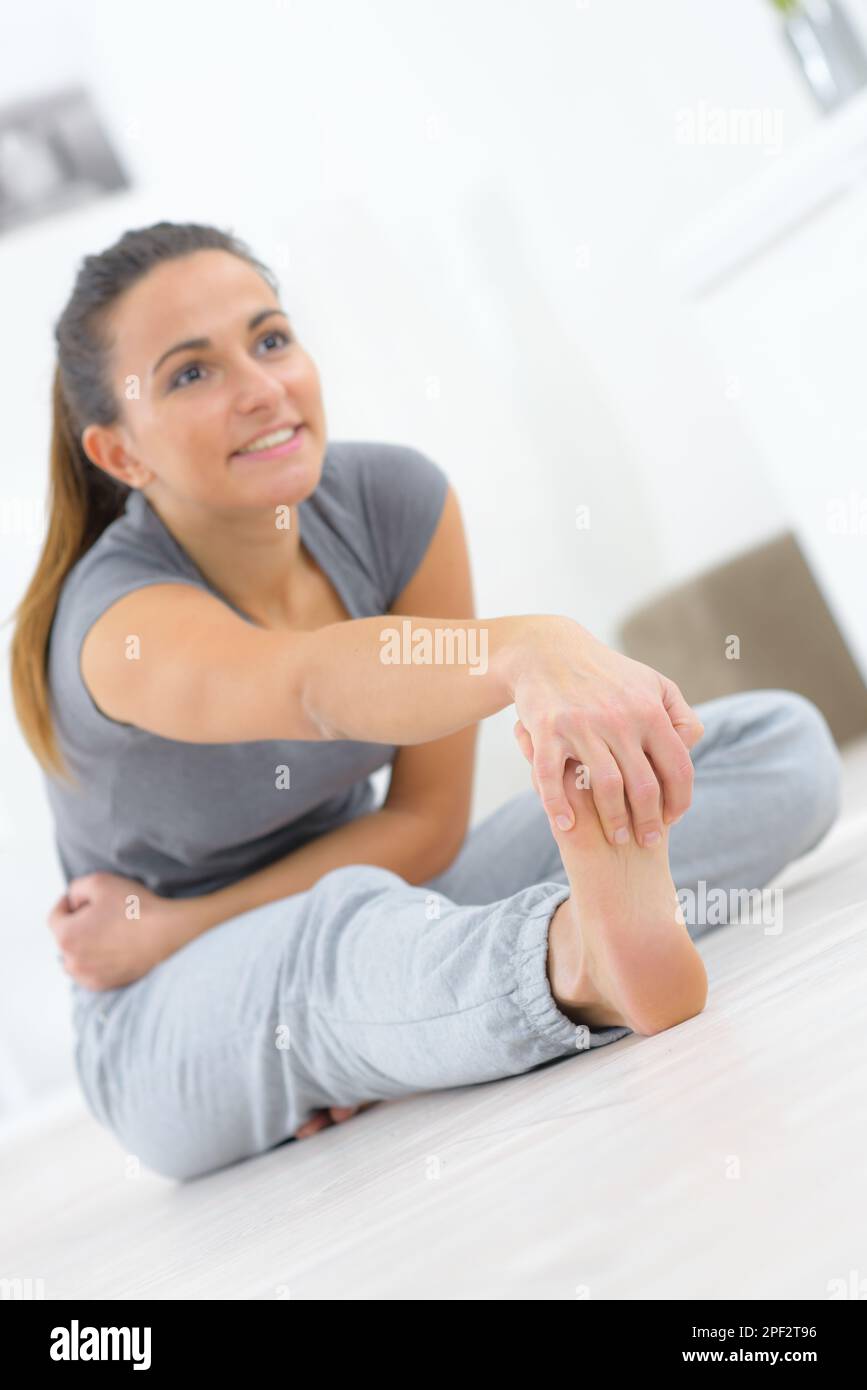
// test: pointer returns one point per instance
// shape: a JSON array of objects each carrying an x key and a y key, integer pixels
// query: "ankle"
[{"x": 573, "y": 986}]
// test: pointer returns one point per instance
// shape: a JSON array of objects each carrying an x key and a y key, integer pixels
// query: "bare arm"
[
  {"x": 390, "y": 839},
  {"x": 416, "y": 833},
  {"x": 421, "y": 826},
  {"x": 174, "y": 660},
  {"x": 198, "y": 673}
]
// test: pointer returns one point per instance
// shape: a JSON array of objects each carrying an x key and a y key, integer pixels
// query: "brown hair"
[{"x": 82, "y": 498}]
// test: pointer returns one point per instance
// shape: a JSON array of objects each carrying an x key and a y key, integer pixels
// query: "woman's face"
[{"x": 185, "y": 412}]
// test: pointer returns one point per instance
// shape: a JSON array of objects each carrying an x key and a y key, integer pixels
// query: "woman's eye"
[
  {"x": 276, "y": 333},
  {"x": 176, "y": 381},
  {"x": 196, "y": 366}
]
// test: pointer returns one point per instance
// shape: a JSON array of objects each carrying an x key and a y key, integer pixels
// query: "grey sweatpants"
[{"x": 365, "y": 987}]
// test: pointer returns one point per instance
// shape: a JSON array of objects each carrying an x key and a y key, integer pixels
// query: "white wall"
[
  {"x": 470, "y": 206},
  {"x": 779, "y": 284}
]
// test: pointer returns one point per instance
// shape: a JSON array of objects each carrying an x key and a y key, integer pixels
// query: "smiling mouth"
[{"x": 285, "y": 443}]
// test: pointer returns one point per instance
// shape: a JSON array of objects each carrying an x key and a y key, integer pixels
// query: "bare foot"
[
  {"x": 619, "y": 952},
  {"x": 335, "y": 1115}
]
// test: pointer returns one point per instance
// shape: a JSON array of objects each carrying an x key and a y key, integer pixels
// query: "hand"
[
  {"x": 322, "y": 1119},
  {"x": 628, "y": 725},
  {"x": 111, "y": 930}
]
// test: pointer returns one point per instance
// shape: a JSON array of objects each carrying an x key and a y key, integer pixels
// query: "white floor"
[{"x": 724, "y": 1158}]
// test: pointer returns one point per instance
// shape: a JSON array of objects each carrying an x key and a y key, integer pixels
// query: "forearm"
[
  {"x": 406, "y": 680},
  {"x": 391, "y": 838}
]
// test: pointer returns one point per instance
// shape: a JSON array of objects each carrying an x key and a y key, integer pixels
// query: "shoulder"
[
  {"x": 383, "y": 474},
  {"x": 399, "y": 492},
  {"x": 130, "y": 554},
  {"x": 133, "y": 550}
]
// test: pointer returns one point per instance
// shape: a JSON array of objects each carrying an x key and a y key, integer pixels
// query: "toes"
[{"x": 312, "y": 1126}]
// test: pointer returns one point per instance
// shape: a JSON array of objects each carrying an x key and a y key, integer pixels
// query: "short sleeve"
[
  {"x": 405, "y": 495},
  {"x": 104, "y": 574}
]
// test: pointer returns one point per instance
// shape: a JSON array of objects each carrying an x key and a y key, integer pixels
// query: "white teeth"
[{"x": 267, "y": 441}]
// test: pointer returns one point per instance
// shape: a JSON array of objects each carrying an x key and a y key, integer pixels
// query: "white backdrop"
[{"x": 470, "y": 206}]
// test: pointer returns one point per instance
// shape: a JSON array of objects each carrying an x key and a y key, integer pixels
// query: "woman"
[{"x": 209, "y": 664}]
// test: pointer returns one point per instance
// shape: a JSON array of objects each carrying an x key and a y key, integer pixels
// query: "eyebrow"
[{"x": 191, "y": 343}]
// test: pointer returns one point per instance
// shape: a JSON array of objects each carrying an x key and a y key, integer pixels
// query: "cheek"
[
  {"x": 311, "y": 397},
  {"x": 183, "y": 432},
  {"x": 305, "y": 376},
  {"x": 202, "y": 426}
]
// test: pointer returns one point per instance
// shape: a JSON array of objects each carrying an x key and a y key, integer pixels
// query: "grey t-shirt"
[{"x": 187, "y": 818}]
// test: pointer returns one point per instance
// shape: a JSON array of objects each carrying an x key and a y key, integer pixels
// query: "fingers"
[
  {"x": 58, "y": 914},
  {"x": 606, "y": 783},
  {"x": 525, "y": 743},
  {"x": 80, "y": 890},
  {"x": 549, "y": 762},
  {"x": 674, "y": 770},
  {"x": 683, "y": 718},
  {"x": 603, "y": 777},
  {"x": 638, "y": 787},
  {"x": 643, "y": 791}
]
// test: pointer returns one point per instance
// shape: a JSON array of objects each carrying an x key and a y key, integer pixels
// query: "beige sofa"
[{"x": 768, "y": 600}]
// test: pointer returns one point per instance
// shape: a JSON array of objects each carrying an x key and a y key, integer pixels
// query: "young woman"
[{"x": 233, "y": 623}]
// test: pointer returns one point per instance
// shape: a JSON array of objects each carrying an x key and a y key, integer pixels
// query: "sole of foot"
[{"x": 636, "y": 965}]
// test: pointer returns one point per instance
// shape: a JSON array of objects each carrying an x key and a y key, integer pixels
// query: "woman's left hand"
[{"x": 111, "y": 930}]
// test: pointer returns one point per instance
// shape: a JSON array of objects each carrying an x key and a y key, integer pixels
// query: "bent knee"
[
  {"x": 180, "y": 1161},
  {"x": 179, "y": 1147},
  {"x": 817, "y": 769}
]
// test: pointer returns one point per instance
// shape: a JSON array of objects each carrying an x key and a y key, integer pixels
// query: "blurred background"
[{"x": 604, "y": 260}]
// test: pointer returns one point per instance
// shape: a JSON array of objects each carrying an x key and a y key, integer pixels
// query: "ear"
[{"x": 107, "y": 449}]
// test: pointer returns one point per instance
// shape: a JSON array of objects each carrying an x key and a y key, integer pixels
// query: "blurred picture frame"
[{"x": 55, "y": 154}]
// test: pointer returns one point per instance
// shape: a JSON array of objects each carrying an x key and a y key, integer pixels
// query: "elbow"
[{"x": 312, "y": 723}]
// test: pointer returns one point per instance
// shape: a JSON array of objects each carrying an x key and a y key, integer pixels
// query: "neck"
[{"x": 255, "y": 559}]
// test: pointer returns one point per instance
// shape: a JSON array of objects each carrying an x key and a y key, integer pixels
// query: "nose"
[{"x": 257, "y": 386}]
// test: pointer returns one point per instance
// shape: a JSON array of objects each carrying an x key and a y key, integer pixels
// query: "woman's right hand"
[{"x": 626, "y": 723}]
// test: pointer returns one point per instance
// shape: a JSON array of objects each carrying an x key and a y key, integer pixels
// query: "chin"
[{"x": 289, "y": 485}]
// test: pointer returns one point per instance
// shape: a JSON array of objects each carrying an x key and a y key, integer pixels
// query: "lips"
[{"x": 265, "y": 434}]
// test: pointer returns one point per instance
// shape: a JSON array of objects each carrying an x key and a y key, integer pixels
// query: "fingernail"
[
  {"x": 652, "y": 838},
  {"x": 563, "y": 822},
  {"x": 621, "y": 835}
]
